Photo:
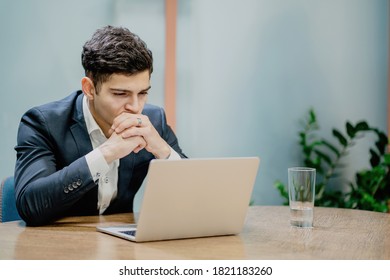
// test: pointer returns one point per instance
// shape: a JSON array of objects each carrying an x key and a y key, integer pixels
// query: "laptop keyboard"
[{"x": 129, "y": 232}]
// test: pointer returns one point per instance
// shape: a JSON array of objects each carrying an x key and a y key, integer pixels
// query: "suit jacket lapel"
[{"x": 79, "y": 129}]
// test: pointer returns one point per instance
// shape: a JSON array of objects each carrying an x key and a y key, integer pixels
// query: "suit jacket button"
[
  {"x": 66, "y": 190},
  {"x": 79, "y": 182},
  {"x": 75, "y": 185},
  {"x": 70, "y": 187}
]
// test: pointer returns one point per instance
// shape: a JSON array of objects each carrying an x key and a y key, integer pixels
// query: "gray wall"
[
  {"x": 40, "y": 57},
  {"x": 248, "y": 70}
]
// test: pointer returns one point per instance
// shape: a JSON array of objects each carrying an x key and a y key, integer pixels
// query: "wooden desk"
[{"x": 337, "y": 234}]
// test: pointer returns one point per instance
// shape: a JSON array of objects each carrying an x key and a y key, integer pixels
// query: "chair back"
[{"x": 8, "y": 211}]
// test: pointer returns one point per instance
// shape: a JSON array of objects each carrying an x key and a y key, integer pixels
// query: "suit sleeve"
[
  {"x": 43, "y": 191},
  {"x": 169, "y": 136}
]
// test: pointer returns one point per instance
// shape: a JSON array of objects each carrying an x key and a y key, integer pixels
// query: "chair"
[{"x": 8, "y": 211}]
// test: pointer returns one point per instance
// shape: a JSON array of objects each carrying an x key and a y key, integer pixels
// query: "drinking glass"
[{"x": 301, "y": 186}]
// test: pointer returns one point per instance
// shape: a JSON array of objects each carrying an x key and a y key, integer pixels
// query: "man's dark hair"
[{"x": 114, "y": 50}]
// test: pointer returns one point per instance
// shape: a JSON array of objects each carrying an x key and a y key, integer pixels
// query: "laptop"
[{"x": 191, "y": 198}]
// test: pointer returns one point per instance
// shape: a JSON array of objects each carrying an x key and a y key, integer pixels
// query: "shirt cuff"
[
  {"x": 97, "y": 164},
  {"x": 174, "y": 155}
]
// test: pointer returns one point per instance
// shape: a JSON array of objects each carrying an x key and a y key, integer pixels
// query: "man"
[{"x": 89, "y": 153}]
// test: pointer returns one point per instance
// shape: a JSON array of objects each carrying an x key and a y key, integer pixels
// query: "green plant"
[{"x": 371, "y": 188}]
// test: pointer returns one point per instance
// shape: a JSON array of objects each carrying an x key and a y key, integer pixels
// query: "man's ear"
[{"x": 88, "y": 87}]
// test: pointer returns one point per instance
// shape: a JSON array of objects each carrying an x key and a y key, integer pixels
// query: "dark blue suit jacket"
[{"x": 52, "y": 178}]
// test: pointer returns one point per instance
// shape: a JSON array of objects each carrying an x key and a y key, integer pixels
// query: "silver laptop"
[{"x": 192, "y": 198}]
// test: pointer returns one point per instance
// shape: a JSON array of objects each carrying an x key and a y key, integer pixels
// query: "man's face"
[{"x": 120, "y": 93}]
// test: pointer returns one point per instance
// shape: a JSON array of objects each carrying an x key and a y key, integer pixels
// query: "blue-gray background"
[{"x": 248, "y": 70}]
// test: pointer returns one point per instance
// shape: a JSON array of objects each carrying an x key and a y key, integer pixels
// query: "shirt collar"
[{"x": 90, "y": 122}]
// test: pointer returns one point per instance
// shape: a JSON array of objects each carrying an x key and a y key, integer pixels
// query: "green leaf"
[
  {"x": 306, "y": 151},
  {"x": 340, "y": 137},
  {"x": 315, "y": 143},
  {"x": 325, "y": 157},
  {"x": 381, "y": 147},
  {"x": 383, "y": 138},
  {"x": 362, "y": 126},
  {"x": 350, "y": 130},
  {"x": 312, "y": 117},
  {"x": 314, "y": 164},
  {"x": 375, "y": 159},
  {"x": 282, "y": 190},
  {"x": 382, "y": 142},
  {"x": 331, "y": 147},
  {"x": 387, "y": 159}
]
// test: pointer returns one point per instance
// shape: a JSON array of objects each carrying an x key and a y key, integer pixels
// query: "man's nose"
[{"x": 133, "y": 106}]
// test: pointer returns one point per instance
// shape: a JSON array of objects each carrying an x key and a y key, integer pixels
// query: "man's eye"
[
  {"x": 119, "y": 93},
  {"x": 144, "y": 92}
]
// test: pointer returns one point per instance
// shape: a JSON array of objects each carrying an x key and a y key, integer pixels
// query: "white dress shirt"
[{"x": 105, "y": 174}]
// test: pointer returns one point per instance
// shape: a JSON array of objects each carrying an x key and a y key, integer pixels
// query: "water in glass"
[{"x": 301, "y": 214}]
